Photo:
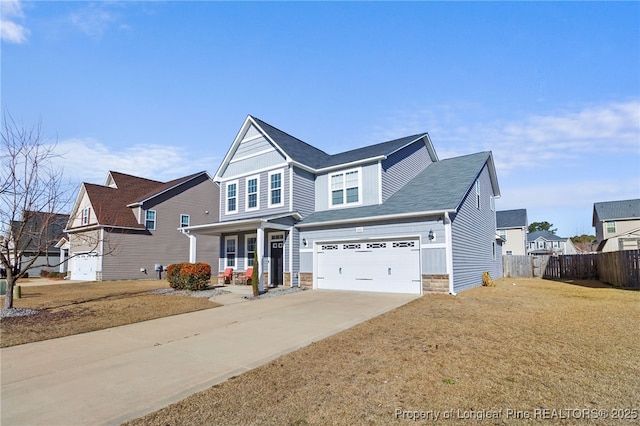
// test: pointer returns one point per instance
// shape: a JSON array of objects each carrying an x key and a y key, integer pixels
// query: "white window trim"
[
  {"x": 226, "y": 197},
  {"x": 271, "y": 173},
  {"x": 188, "y": 220},
  {"x": 344, "y": 189},
  {"x": 86, "y": 216},
  {"x": 155, "y": 220},
  {"x": 226, "y": 259},
  {"x": 246, "y": 186},
  {"x": 246, "y": 248},
  {"x": 478, "y": 194}
]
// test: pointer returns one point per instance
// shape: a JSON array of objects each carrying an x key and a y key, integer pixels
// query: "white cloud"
[
  {"x": 11, "y": 31},
  {"x": 88, "y": 160},
  {"x": 96, "y": 18},
  {"x": 612, "y": 128}
]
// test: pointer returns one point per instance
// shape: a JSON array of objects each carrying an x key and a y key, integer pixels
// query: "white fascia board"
[
  {"x": 251, "y": 173},
  {"x": 352, "y": 164},
  {"x": 430, "y": 148},
  {"x": 236, "y": 141},
  {"x": 374, "y": 218}
]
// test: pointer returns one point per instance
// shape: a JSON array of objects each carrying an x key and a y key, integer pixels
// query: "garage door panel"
[{"x": 379, "y": 266}]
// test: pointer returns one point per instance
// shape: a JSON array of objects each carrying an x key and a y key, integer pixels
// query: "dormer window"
[{"x": 345, "y": 187}]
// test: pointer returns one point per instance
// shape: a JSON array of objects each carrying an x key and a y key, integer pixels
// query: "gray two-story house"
[{"x": 390, "y": 217}]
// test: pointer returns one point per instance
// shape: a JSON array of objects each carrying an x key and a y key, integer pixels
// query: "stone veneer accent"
[
  {"x": 435, "y": 284},
  {"x": 305, "y": 279}
]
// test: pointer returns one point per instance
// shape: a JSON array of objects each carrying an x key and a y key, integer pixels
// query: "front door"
[{"x": 275, "y": 274}]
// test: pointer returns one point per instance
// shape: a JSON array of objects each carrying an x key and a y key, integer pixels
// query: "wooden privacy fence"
[{"x": 618, "y": 268}]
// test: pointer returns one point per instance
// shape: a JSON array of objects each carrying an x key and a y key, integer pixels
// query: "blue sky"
[{"x": 160, "y": 89}]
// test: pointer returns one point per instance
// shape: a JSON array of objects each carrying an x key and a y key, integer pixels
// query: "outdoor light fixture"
[
  {"x": 431, "y": 236},
  {"x": 304, "y": 242}
]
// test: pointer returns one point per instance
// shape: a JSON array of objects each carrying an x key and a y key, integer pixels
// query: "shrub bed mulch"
[{"x": 523, "y": 345}]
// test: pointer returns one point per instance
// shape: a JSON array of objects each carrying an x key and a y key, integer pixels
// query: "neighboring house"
[
  {"x": 512, "y": 226},
  {"x": 617, "y": 225},
  {"x": 390, "y": 217},
  {"x": 124, "y": 228},
  {"x": 38, "y": 234},
  {"x": 548, "y": 243}
]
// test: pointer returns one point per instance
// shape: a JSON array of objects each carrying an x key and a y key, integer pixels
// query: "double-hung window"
[
  {"x": 231, "y": 244},
  {"x": 184, "y": 220},
  {"x": 232, "y": 197},
  {"x": 150, "y": 220},
  {"x": 345, "y": 187},
  {"x": 85, "y": 215},
  {"x": 250, "y": 243},
  {"x": 611, "y": 227},
  {"x": 275, "y": 189},
  {"x": 253, "y": 189}
]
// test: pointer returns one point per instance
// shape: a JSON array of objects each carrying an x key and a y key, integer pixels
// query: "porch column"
[
  {"x": 260, "y": 256},
  {"x": 63, "y": 259},
  {"x": 192, "y": 248}
]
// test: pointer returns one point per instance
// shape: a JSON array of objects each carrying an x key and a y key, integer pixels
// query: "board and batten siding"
[
  {"x": 133, "y": 250},
  {"x": 473, "y": 235},
  {"x": 432, "y": 258},
  {"x": 402, "y": 166},
  {"x": 369, "y": 190}
]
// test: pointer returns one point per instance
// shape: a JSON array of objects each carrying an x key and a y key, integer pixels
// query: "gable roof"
[
  {"x": 511, "y": 218},
  {"x": 549, "y": 236},
  {"x": 112, "y": 205},
  {"x": 616, "y": 210},
  {"x": 446, "y": 182},
  {"x": 306, "y": 155}
]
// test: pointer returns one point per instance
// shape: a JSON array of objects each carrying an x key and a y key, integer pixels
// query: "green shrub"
[{"x": 189, "y": 276}]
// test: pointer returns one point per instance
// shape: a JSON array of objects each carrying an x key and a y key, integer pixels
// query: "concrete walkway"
[{"x": 113, "y": 375}]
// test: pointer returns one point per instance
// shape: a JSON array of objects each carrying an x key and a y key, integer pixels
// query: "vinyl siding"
[
  {"x": 133, "y": 250},
  {"x": 473, "y": 232},
  {"x": 250, "y": 164},
  {"x": 263, "y": 196},
  {"x": 432, "y": 260},
  {"x": 303, "y": 192},
  {"x": 402, "y": 166},
  {"x": 369, "y": 190}
]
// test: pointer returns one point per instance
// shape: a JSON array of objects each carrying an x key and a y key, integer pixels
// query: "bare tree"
[{"x": 32, "y": 192}]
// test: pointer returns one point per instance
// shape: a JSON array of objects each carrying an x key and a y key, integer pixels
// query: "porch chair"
[
  {"x": 248, "y": 274},
  {"x": 227, "y": 275}
]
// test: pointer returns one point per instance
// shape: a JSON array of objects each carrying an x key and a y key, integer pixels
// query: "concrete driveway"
[{"x": 113, "y": 375}]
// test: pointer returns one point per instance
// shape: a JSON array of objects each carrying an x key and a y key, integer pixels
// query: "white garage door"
[
  {"x": 83, "y": 267},
  {"x": 390, "y": 266}
]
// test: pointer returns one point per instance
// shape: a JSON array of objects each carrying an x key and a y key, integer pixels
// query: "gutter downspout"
[
  {"x": 449, "y": 250},
  {"x": 192, "y": 245}
]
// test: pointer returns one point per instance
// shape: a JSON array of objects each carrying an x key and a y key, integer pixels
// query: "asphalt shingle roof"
[
  {"x": 549, "y": 236},
  {"x": 110, "y": 204},
  {"x": 440, "y": 187},
  {"x": 304, "y": 153},
  {"x": 611, "y": 210},
  {"x": 511, "y": 218}
]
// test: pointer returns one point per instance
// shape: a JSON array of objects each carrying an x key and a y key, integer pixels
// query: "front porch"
[{"x": 270, "y": 240}]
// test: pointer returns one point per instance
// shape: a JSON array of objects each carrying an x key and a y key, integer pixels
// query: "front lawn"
[
  {"x": 72, "y": 308},
  {"x": 525, "y": 348}
]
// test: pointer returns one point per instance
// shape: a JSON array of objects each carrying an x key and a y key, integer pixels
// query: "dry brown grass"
[
  {"x": 73, "y": 308},
  {"x": 534, "y": 345}
]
